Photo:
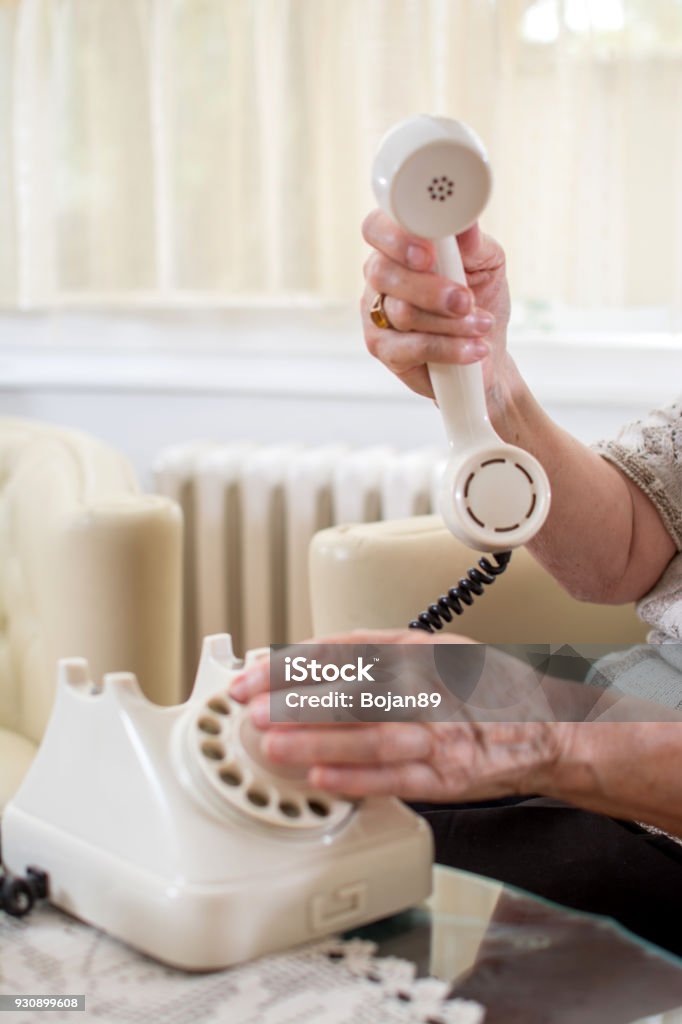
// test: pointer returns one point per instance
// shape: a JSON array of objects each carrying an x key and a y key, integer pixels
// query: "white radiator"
[{"x": 250, "y": 512}]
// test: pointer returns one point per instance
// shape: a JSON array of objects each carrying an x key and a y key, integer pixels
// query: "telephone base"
[
  {"x": 158, "y": 844},
  {"x": 201, "y": 927}
]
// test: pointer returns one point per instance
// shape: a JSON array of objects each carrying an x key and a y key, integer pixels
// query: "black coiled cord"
[
  {"x": 18, "y": 893},
  {"x": 464, "y": 593}
]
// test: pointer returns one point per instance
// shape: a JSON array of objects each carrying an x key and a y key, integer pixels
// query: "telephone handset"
[
  {"x": 165, "y": 827},
  {"x": 431, "y": 175}
]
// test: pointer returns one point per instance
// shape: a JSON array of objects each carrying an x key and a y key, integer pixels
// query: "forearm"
[
  {"x": 629, "y": 770},
  {"x": 603, "y": 540}
]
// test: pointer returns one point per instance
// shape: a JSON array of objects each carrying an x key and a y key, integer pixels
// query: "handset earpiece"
[{"x": 432, "y": 176}]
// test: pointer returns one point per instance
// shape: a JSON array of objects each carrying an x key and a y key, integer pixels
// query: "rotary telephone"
[
  {"x": 167, "y": 828},
  {"x": 431, "y": 175}
]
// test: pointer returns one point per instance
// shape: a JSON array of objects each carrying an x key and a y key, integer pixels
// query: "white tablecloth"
[{"x": 333, "y": 982}]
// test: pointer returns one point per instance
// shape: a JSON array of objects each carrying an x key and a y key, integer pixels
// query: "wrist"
[
  {"x": 568, "y": 774},
  {"x": 507, "y": 394},
  {"x": 539, "y": 756},
  {"x": 514, "y": 412}
]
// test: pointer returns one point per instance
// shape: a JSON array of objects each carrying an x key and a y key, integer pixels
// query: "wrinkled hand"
[
  {"x": 435, "y": 319},
  {"x": 420, "y": 760},
  {"x": 471, "y": 681},
  {"x": 436, "y": 762}
]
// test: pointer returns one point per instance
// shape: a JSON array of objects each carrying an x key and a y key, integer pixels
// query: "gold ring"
[{"x": 377, "y": 313}]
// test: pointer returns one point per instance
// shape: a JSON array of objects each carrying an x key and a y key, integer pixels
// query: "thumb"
[
  {"x": 479, "y": 251},
  {"x": 469, "y": 241}
]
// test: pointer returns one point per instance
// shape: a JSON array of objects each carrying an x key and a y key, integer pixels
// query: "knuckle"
[
  {"x": 394, "y": 239},
  {"x": 401, "y": 314},
  {"x": 372, "y": 345},
  {"x": 369, "y": 225},
  {"x": 366, "y": 300},
  {"x": 375, "y": 270},
  {"x": 421, "y": 347},
  {"x": 382, "y": 745},
  {"x": 390, "y": 355},
  {"x": 387, "y": 746},
  {"x": 379, "y": 230}
]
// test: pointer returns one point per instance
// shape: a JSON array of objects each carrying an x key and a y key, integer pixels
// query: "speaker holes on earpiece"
[
  {"x": 529, "y": 513},
  {"x": 440, "y": 188}
]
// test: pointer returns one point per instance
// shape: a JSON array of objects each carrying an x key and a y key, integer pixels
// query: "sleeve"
[
  {"x": 651, "y": 672},
  {"x": 649, "y": 452}
]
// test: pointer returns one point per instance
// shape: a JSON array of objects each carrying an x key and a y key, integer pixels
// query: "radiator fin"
[{"x": 250, "y": 512}]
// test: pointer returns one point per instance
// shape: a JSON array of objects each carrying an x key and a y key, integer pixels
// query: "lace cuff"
[{"x": 649, "y": 452}]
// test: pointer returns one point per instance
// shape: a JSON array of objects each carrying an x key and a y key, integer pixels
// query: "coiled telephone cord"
[
  {"x": 18, "y": 893},
  {"x": 469, "y": 587}
]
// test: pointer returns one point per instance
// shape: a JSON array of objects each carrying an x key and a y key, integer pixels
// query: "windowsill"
[{"x": 279, "y": 351}]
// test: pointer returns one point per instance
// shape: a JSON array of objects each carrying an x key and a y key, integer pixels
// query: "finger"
[
  {"x": 402, "y": 352},
  {"x": 371, "y": 636},
  {"x": 289, "y": 709},
  {"x": 469, "y": 241},
  {"x": 410, "y": 781},
  {"x": 253, "y": 680},
  {"x": 409, "y": 323},
  {"x": 479, "y": 251},
  {"x": 387, "y": 743},
  {"x": 418, "y": 380},
  {"x": 384, "y": 234},
  {"x": 431, "y": 292},
  {"x": 406, "y": 317}
]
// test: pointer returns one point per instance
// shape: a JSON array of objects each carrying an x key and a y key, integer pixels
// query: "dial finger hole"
[
  {"x": 212, "y": 750},
  {"x": 318, "y": 808},
  {"x": 231, "y": 776},
  {"x": 218, "y": 705},
  {"x": 290, "y": 809},
  {"x": 209, "y": 725},
  {"x": 258, "y": 797}
]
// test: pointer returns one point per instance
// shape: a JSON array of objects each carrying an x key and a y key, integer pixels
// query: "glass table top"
[{"x": 529, "y": 961}]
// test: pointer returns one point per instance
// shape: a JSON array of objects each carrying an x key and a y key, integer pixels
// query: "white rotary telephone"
[{"x": 166, "y": 827}]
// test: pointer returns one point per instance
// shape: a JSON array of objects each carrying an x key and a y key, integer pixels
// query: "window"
[{"x": 212, "y": 152}]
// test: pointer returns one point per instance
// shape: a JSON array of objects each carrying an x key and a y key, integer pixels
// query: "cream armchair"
[
  {"x": 381, "y": 575},
  {"x": 89, "y": 567}
]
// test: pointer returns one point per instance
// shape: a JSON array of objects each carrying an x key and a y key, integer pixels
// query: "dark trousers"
[{"x": 573, "y": 857}]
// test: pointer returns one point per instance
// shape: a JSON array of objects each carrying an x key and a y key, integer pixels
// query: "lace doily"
[{"x": 331, "y": 982}]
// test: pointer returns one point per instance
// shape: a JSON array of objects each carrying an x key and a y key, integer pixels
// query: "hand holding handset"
[{"x": 432, "y": 177}]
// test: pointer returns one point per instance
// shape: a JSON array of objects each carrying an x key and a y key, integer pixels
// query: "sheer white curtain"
[{"x": 218, "y": 151}]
